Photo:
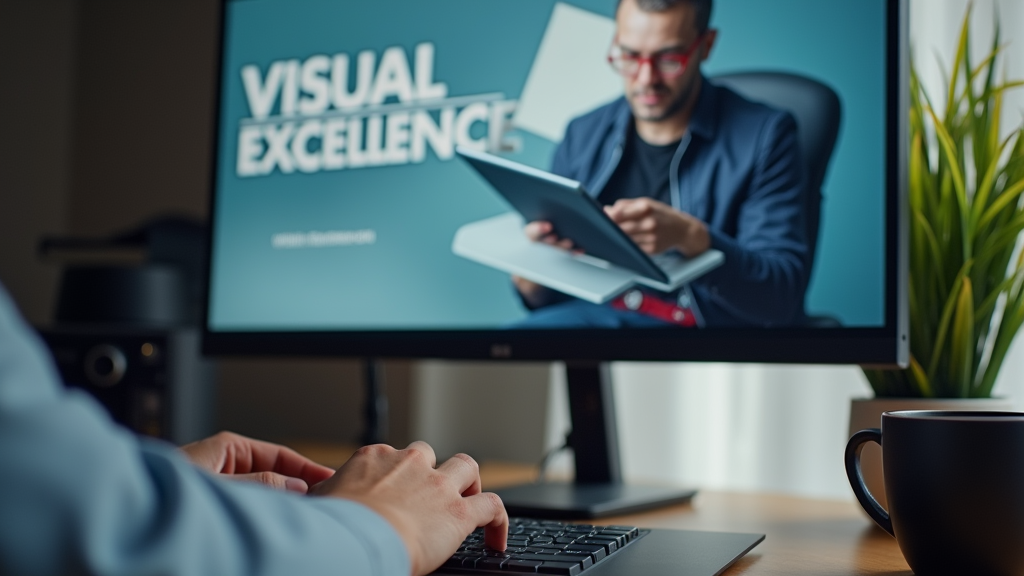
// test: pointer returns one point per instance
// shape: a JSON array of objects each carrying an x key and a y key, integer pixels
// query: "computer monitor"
[{"x": 345, "y": 224}]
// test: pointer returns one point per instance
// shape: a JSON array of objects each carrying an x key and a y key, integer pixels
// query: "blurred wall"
[
  {"x": 109, "y": 105},
  {"x": 143, "y": 112},
  {"x": 489, "y": 410},
  {"x": 37, "y": 64}
]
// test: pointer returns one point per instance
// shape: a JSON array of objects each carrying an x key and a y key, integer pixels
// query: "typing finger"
[
  {"x": 267, "y": 457},
  {"x": 487, "y": 510},
  {"x": 426, "y": 450},
  {"x": 463, "y": 472},
  {"x": 273, "y": 480}
]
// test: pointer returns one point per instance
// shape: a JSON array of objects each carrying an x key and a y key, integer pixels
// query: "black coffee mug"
[{"x": 955, "y": 488}]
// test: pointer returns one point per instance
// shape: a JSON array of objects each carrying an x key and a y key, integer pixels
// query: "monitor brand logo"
[{"x": 336, "y": 112}]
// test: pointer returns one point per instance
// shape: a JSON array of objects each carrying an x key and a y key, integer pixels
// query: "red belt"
[{"x": 648, "y": 305}]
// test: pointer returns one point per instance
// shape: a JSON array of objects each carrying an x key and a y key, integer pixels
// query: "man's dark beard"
[{"x": 674, "y": 107}]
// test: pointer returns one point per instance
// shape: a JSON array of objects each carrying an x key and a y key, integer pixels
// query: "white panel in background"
[{"x": 570, "y": 74}]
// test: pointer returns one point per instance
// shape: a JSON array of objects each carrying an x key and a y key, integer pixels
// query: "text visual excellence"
[{"x": 330, "y": 113}]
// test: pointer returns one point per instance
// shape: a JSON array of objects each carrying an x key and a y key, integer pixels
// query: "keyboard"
[{"x": 544, "y": 547}]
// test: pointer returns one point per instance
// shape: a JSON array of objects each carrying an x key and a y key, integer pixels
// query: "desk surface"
[{"x": 804, "y": 536}]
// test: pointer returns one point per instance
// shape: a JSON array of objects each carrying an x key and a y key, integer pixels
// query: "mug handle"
[{"x": 853, "y": 472}]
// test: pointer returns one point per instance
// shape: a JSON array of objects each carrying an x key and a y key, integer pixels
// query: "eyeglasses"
[{"x": 668, "y": 65}]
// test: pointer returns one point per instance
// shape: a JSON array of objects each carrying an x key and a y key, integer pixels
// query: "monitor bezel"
[{"x": 881, "y": 346}]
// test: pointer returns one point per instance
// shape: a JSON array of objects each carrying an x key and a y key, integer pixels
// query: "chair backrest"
[{"x": 818, "y": 113}]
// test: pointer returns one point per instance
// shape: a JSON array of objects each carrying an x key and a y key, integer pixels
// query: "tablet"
[{"x": 540, "y": 195}]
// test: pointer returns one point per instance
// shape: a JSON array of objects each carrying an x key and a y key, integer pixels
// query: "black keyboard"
[{"x": 542, "y": 546}]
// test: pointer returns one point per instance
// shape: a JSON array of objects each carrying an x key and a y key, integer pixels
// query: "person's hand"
[
  {"x": 533, "y": 293},
  {"x": 656, "y": 226},
  {"x": 432, "y": 509},
  {"x": 540, "y": 231},
  {"x": 242, "y": 458}
]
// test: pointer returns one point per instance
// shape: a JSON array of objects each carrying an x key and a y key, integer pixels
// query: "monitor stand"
[
  {"x": 598, "y": 489},
  {"x": 375, "y": 408}
]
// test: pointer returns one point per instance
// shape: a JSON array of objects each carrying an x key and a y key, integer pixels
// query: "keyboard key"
[
  {"x": 584, "y": 561},
  {"x": 522, "y": 565},
  {"x": 496, "y": 554},
  {"x": 608, "y": 545},
  {"x": 595, "y": 552},
  {"x": 620, "y": 541},
  {"x": 562, "y": 568},
  {"x": 491, "y": 563},
  {"x": 585, "y": 528},
  {"x": 587, "y": 548},
  {"x": 628, "y": 531},
  {"x": 453, "y": 562},
  {"x": 578, "y": 555},
  {"x": 554, "y": 558}
]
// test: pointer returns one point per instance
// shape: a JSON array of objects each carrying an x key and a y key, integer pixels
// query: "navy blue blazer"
[{"x": 739, "y": 170}]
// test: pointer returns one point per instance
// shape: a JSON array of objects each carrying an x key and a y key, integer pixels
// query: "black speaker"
[{"x": 154, "y": 381}]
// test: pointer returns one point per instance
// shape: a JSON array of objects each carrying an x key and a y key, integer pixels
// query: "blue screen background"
[{"x": 409, "y": 278}]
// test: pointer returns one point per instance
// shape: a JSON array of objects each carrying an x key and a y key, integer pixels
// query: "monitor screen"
[{"x": 346, "y": 222}]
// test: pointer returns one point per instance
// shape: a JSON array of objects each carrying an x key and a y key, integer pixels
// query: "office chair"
[{"x": 818, "y": 113}]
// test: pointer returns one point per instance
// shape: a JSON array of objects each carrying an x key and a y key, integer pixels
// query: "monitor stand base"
[{"x": 564, "y": 500}]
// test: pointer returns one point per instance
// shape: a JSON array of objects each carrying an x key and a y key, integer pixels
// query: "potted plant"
[{"x": 966, "y": 287}]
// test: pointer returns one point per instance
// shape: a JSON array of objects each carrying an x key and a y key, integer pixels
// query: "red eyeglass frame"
[{"x": 683, "y": 59}]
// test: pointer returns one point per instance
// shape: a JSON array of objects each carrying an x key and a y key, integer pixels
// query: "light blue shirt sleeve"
[{"x": 79, "y": 495}]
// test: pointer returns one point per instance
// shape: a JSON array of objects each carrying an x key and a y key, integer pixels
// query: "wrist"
[
  {"x": 533, "y": 294},
  {"x": 696, "y": 239}
]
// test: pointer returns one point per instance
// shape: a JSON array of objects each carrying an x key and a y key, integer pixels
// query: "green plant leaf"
[
  {"x": 1011, "y": 194},
  {"x": 953, "y": 155},
  {"x": 931, "y": 246},
  {"x": 920, "y": 378},
  {"x": 958, "y": 61},
  {"x": 947, "y": 315},
  {"x": 989, "y": 303},
  {"x": 962, "y": 347},
  {"x": 1013, "y": 318},
  {"x": 983, "y": 192}
]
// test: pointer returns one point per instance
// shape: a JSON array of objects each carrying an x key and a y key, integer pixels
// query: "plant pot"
[{"x": 867, "y": 413}]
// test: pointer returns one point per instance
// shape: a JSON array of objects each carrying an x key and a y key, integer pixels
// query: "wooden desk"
[{"x": 804, "y": 536}]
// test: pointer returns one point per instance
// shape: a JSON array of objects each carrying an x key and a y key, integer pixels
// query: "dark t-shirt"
[{"x": 642, "y": 172}]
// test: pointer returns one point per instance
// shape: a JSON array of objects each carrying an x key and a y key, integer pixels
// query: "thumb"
[{"x": 273, "y": 480}]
